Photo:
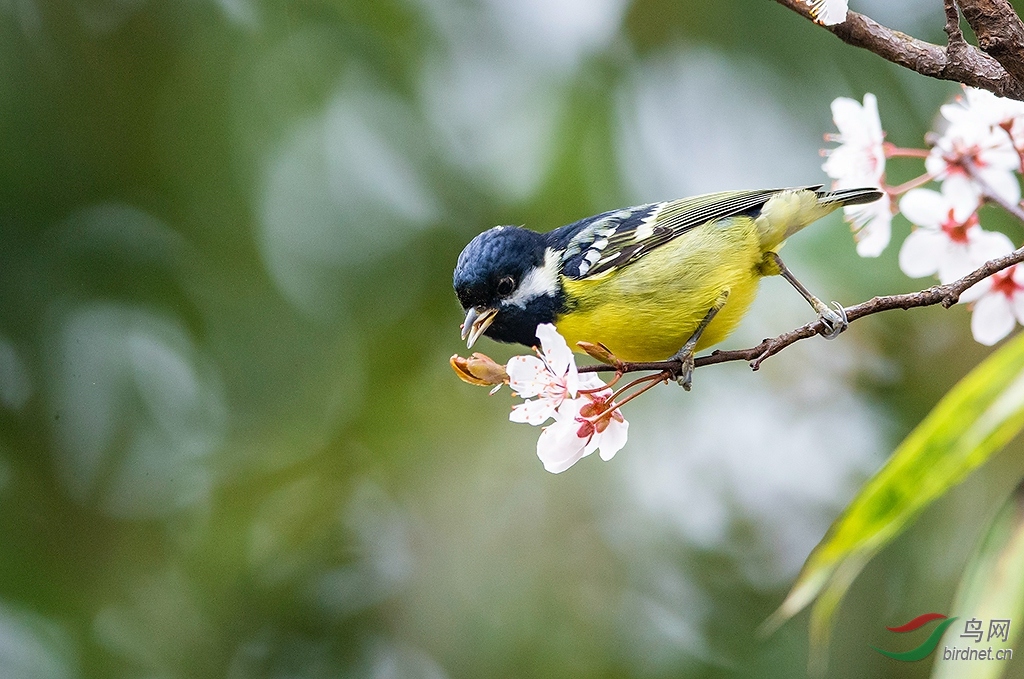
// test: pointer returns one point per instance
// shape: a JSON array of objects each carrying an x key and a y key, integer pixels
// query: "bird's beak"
[{"x": 475, "y": 324}]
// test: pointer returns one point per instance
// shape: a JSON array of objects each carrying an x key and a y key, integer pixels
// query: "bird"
[{"x": 652, "y": 282}]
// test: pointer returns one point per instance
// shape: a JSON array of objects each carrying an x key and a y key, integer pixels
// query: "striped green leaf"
[{"x": 977, "y": 418}]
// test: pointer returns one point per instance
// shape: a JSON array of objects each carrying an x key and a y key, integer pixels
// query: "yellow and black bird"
[{"x": 650, "y": 282}]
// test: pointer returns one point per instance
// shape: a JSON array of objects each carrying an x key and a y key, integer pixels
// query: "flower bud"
[
  {"x": 479, "y": 370},
  {"x": 599, "y": 352}
]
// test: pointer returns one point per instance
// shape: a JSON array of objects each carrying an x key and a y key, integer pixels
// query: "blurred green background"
[{"x": 230, "y": 441}]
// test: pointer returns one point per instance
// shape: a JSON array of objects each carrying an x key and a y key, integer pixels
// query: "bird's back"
[{"x": 647, "y": 311}]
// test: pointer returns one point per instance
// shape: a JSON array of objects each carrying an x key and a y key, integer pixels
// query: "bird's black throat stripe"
[{"x": 519, "y": 325}]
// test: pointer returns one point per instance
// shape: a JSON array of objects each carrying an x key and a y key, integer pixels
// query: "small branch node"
[{"x": 954, "y": 36}]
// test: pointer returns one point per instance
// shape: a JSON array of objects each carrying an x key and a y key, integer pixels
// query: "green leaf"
[
  {"x": 992, "y": 588},
  {"x": 977, "y": 418}
]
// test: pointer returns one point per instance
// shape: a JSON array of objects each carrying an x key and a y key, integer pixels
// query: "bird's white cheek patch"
[{"x": 542, "y": 280}]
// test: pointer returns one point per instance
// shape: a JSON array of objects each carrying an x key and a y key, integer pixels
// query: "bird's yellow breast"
[{"x": 647, "y": 310}]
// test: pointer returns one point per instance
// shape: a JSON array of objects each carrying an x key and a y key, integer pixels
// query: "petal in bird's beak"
[{"x": 475, "y": 324}]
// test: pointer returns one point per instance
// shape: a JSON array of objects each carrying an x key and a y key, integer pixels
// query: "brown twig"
[
  {"x": 958, "y": 61},
  {"x": 954, "y": 36}
]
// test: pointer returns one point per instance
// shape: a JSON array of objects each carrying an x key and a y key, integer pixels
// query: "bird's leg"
[
  {"x": 834, "y": 320},
  {"x": 685, "y": 355}
]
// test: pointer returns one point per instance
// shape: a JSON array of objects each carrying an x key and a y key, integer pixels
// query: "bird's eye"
[{"x": 506, "y": 285}]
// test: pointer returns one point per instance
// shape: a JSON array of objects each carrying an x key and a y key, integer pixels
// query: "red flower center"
[
  {"x": 956, "y": 230},
  {"x": 596, "y": 416},
  {"x": 1003, "y": 282},
  {"x": 961, "y": 156}
]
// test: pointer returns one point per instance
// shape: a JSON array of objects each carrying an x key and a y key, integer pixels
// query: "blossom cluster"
[
  {"x": 977, "y": 157},
  {"x": 585, "y": 413}
]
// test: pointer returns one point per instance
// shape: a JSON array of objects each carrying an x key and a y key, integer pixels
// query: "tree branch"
[
  {"x": 1000, "y": 32},
  {"x": 947, "y": 295},
  {"x": 958, "y": 61},
  {"x": 954, "y": 36}
]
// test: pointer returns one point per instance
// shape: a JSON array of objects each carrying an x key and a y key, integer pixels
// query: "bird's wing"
[{"x": 612, "y": 240}]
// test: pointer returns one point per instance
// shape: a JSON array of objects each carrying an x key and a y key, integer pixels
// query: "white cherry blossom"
[
  {"x": 582, "y": 425},
  {"x": 976, "y": 141},
  {"x": 987, "y": 109},
  {"x": 859, "y": 160},
  {"x": 586, "y": 418},
  {"x": 998, "y": 305},
  {"x": 948, "y": 241},
  {"x": 872, "y": 226},
  {"x": 981, "y": 107},
  {"x": 551, "y": 377}
]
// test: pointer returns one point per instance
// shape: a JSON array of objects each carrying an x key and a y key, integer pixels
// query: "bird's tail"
[
  {"x": 790, "y": 210},
  {"x": 846, "y": 197}
]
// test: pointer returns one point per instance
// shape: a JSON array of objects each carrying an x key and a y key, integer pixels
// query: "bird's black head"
[{"x": 507, "y": 282}]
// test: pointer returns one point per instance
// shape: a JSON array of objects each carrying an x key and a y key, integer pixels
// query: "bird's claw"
[
  {"x": 684, "y": 376},
  {"x": 833, "y": 323}
]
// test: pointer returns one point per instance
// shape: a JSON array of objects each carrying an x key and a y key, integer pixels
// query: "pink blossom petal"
[
  {"x": 829, "y": 12},
  {"x": 527, "y": 375},
  {"x": 992, "y": 319},
  {"x": 592, "y": 381},
  {"x": 873, "y": 226},
  {"x": 999, "y": 154},
  {"x": 1017, "y": 304},
  {"x": 1003, "y": 183},
  {"x": 559, "y": 446},
  {"x": 846, "y": 113},
  {"x": 935, "y": 164},
  {"x": 558, "y": 356},
  {"x": 960, "y": 111},
  {"x": 860, "y": 158},
  {"x": 853, "y": 165},
  {"x": 956, "y": 263},
  {"x": 985, "y": 245},
  {"x": 965, "y": 197},
  {"x": 613, "y": 439},
  {"x": 535, "y": 411},
  {"x": 975, "y": 137},
  {"x": 963, "y": 193},
  {"x": 572, "y": 380},
  {"x": 976, "y": 291},
  {"x": 981, "y": 107},
  {"x": 925, "y": 207},
  {"x": 922, "y": 253},
  {"x": 859, "y": 122}
]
